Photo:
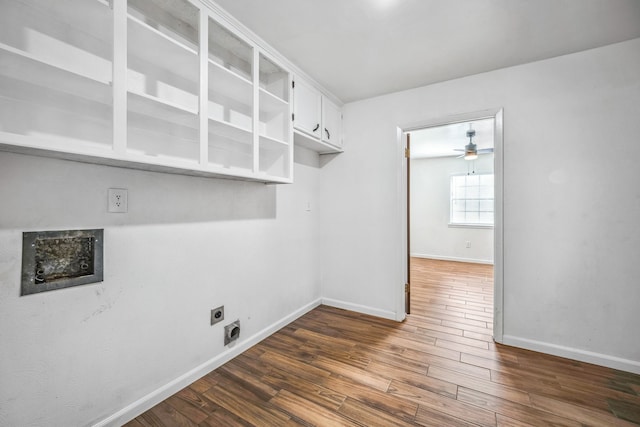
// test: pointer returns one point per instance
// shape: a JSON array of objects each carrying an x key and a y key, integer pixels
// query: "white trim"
[
  {"x": 456, "y": 118},
  {"x": 469, "y": 225},
  {"x": 498, "y": 230},
  {"x": 359, "y": 308},
  {"x": 145, "y": 403},
  {"x": 453, "y": 258},
  {"x": 574, "y": 353},
  {"x": 402, "y": 204},
  {"x": 119, "y": 78}
]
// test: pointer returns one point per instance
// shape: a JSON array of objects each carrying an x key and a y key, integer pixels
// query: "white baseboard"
[
  {"x": 150, "y": 400},
  {"x": 574, "y": 353},
  {"x": 451, "y": 258},
  {"x": 359, "y": 308}
]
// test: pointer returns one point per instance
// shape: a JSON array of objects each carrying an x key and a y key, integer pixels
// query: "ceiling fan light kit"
[
  {"x": 470, "y": 155},
  {"x": 470, "y": 150}
]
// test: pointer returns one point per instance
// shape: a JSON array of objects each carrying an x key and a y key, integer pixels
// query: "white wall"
[
  {"x": 431, "y": 235},
  {"x": 75, "y": 356},
  {"x": 571, "y": 200}
]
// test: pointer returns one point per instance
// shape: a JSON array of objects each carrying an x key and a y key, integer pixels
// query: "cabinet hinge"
[
  {"x": 406, "y": 287},
  {"x": 293, "y": 84},
  {"x": 407, "y": 153}
]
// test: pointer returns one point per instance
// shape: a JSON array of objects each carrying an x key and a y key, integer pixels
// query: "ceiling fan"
[{"x": 471, "y": 150}]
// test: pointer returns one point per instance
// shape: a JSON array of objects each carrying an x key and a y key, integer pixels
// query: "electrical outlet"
[
  {"x": 118, "y": 200},
  {"x": 217, "y": 315}
]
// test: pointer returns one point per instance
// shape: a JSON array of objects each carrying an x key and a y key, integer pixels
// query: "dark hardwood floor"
[{"x": 438, "y": 368}]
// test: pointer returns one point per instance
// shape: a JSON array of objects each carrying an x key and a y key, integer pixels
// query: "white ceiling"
[
  {"x": 358, "y": 49},
  {"x": 449, "y": 140}
]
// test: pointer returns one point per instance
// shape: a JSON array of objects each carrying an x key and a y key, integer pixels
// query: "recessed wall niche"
[{"x": 60, "y": 259}]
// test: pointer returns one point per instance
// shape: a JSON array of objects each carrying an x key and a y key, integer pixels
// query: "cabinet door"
[
  {"x": 306, "y": 109},
  {"x": 332, "y": 123}
]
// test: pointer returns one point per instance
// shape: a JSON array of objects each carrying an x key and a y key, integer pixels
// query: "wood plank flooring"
[{"x": 440, "y": 367}]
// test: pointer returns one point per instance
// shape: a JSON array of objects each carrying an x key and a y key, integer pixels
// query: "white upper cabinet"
[
  {"x": 317, "y": 121},
  {"x": 307, "y": 109},
  {"x": 165, "y": 85},
  {"x": 331, "y": 123}
]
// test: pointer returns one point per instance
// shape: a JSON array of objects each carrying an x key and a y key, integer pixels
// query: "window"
[{"x": 471, "y": 200}]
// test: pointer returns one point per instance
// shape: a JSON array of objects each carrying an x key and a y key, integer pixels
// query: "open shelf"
[
  {"x": 272, "y": 143},
  {"x": 57, "y": 124},
  {"x": 218, "y": 129},
  {"x": 275, "y": 124},
  {"x": 161, "y": 51},
  {"x": 229, "y": 84},
  {"x": 274, "y": 159},
  {"x": 228, "y": 154},
  {"x": 55, "y": 76},
  {"x": 270, "y": 103},
  {"x": 160, "y": 128},
  {"x": 150, "y": 137},
  {"x": 60, "y": 144},
  {"x": 301, "y": 139},
  {"x": 273, "y": 79},
  {"x": 176, "y": 19},
  {"x": 52, "y": 117},
  {"x": 78, "y": 42},
  {"x": 163, "y": 79},
  {"x": 230, "y": 98},
  {"x": 23, "y": 66},
  {"x": 229, "y": 51},
  {"x": 274, "y": 117},
  {"x": 161, "y": 109}
]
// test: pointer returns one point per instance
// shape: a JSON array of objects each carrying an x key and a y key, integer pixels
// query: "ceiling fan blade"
[
  {"x": 458, "y": 149},
  {"x": 485, "y": 150}
]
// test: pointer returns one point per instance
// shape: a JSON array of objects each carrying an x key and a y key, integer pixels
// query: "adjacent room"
[{"x": 297, "y": 212}]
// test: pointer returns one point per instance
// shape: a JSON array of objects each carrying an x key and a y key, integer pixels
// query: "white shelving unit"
[
  {"x": 163, "y": 79},
  {"x": 55, "y": 76},
  {"x": 275, "y": 130},
  {"x": 230, "y": 99},
  {"x": 163, "y": 85}
]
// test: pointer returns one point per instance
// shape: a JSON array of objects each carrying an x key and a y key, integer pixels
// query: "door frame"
[{"x": 498, "y": 228}]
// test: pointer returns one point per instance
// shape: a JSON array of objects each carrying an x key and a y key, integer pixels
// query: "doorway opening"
[{"x": 454, "y": 219}]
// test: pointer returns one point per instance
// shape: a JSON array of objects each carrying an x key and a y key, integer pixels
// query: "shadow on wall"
[{"x": 45, "y": 193}]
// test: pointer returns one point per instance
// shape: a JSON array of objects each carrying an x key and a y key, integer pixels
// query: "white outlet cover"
[{"x": 118, "y": 200}]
